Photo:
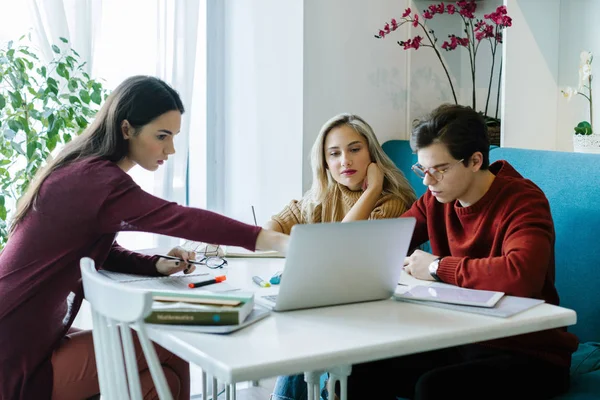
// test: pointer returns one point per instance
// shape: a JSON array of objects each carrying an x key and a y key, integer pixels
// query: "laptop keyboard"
[{"x": 272, "y": 298}]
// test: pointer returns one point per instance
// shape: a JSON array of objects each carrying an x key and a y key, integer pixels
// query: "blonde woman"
[{"x": 353, "y": 179}]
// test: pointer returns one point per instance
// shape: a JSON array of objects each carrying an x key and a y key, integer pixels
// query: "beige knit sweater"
[{"x": 335, "y": 207}]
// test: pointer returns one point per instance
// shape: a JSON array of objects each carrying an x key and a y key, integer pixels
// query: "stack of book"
[{"x": 205, "y": 311}]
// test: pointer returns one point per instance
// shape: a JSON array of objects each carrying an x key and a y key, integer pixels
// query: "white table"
[{"x": 318, "y": 339}]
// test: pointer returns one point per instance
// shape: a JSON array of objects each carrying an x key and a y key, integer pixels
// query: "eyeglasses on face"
[{"x": 435, "y": 173}]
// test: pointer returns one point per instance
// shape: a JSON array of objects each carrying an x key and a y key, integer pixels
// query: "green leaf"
[
  {"x": 52, "y": 82},
  {"x": 3, "y": 212},
  {"x": 96, "y": 98},
  {"x": 72, "y": 85},
  {"x": 15, "y": 99},
  {"x": 17, "y": 148},
  {"x": 3, "y": 102},
  {"x": 10, "y": 44},
  {"x": 55, "y": 49},
  {"x": 82, "y": 122},
  {"x": 583, "y": 128},
  {"x": 62, "y": 70},
  {"x": 31, "y": 148},
  {"x": 4, "y": 162},
  {"x": 83, "y": 95},
  {"x": 63, "y": 40},
  {"x": 51, "y": 142},
  {"x": 66, "y": 138},
  {"x": 43, "y": 69},
  {"x": 15, "y": 125},
  {"x": 74, "y": 100}
]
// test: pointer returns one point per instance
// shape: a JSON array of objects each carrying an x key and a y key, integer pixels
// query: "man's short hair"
[{"x": 460, "y": 128}]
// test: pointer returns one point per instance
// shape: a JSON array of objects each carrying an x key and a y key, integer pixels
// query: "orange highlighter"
[{"x": 217, "y": 279}]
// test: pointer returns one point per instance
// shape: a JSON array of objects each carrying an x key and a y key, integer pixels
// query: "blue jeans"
[{"x": 294, "y": 388}]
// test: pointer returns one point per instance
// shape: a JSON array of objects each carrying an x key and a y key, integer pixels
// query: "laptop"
[{"x": 339, "y": 263}]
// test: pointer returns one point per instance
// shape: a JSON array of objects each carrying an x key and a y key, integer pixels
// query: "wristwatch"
[{"x": 433, "y": 267}]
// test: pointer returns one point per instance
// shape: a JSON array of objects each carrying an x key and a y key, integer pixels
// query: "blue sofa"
[{"x": 571, "y": 181}]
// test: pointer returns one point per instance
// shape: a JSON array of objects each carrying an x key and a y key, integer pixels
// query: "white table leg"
[
  {"x": 215, "y": 389},
  {"x": 204, "y": 385},
  {"x": 339, "y": 373},
  {"x": 233, "y": 391},
  {"x": 227, "y": 392},
  {"x": 312, "y": 383}
]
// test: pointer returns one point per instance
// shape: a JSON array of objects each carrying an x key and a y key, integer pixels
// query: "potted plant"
[
  {"x": 585, "y": 140},
  {"x": 476, "y": 31},
  {"x": 42, "y": 106}
]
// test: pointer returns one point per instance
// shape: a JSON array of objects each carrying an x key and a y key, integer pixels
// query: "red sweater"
[
  {"x": 80, "y": 209},
  {"x": 503, "y": 242}
]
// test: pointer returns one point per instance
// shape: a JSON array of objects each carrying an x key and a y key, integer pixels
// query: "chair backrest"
[
  {"x": 404, "y": 158},
  {"x": 572, "y": 185},
  {"x": 115, "y": 309}
]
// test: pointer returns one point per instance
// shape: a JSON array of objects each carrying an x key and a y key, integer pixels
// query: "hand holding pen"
[{"x": 176, "y": 260}]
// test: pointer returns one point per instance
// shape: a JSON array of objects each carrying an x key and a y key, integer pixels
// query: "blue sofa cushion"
[
  {"x": 585, "y": 359},
  {"x": 572, "y": 185},
  {"x": 401, "y": 154},
  {"x": 583, "y": 387}
]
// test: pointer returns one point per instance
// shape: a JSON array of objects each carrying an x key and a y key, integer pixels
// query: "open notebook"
[
  {"x": 177, "y": 282},
  {"x": 235, "y": 251}
]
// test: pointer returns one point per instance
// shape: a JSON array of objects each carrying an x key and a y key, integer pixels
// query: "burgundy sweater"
[
  {"x": 503, "y": 242},
  {"x": 80, "y": 209}
]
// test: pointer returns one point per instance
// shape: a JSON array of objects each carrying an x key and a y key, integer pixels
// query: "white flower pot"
[{"x": 586, "y": 143}]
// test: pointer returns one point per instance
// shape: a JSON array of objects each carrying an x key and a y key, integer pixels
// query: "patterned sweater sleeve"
[
  {"x": 289, "y": 216},
  {"x": 388, "y": 207}
]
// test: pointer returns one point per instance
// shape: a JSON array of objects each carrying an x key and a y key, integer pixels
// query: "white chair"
[{"x": 115, "y": 308}]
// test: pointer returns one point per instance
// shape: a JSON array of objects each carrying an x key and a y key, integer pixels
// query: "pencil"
[
  {"x": 254, "y": 216},
  {"x": 181, "y": 259}
]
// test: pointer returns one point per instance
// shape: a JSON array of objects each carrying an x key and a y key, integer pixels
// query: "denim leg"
[{"x": 290, "y": 388}]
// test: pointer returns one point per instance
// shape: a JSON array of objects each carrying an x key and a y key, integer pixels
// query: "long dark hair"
[{"x": 139, "y": 100}]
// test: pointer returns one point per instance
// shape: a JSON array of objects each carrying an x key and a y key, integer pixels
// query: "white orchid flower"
[
  {"x": 585, "y": 57},
  {"x": 585, "y": 71},
  {"x": 568, "y": 93}
]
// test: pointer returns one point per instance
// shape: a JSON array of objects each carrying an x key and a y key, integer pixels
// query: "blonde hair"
[{"x": 394, "y": 181}]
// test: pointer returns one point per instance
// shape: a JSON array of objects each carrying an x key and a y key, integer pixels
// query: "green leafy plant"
[{"x": 43, "y": 105}]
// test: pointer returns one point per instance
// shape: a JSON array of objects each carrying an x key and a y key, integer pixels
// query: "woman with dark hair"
[{"x": 73, "y": 209}]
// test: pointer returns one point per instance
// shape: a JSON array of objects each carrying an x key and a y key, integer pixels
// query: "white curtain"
[
  {"x": 118, "y": 35},
  {"x": 78, "y": 21},
  {"x": 176, "y": 64}
]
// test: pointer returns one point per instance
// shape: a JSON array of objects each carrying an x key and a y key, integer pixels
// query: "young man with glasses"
[{"x": 489, "y": 228}]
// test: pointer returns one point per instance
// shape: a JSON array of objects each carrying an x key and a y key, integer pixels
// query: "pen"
[
  {"x": 181, "y": 259},
  {"x": 254, "y": 216},
  {"x": 259, "y": 281},
  {"x": 208, "y": 282}
]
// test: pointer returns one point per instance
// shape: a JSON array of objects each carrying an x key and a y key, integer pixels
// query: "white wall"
[
  {"x": 542, "y": 57},
  {"x": 263, "y": 107},
  {"x": 346, "y": 69},
  {"x": 531, "y": 75},
  {"x": 579, "y": 30},
  {"x": 290, "y": 66}
]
